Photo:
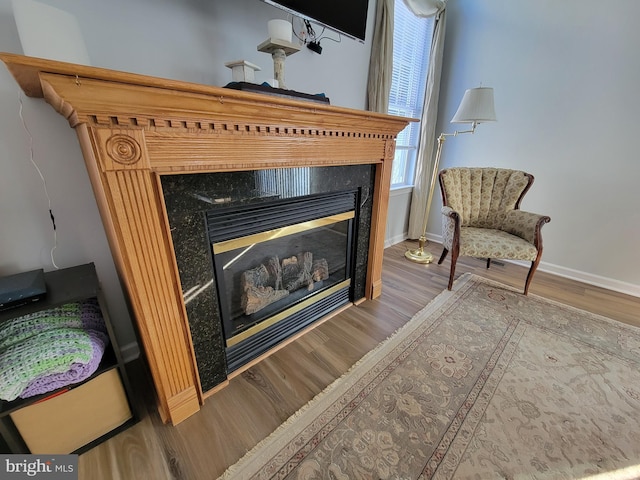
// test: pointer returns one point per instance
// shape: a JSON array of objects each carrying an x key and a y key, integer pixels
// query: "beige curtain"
[
  {"x": 426, "y": 150},
  {"x": 381, "y": 61}
]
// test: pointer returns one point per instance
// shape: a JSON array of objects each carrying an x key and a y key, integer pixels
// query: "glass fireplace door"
[{"x": 267, "y": 276}]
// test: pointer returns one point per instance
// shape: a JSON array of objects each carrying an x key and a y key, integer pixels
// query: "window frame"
[{"x": 408, "y": 86}]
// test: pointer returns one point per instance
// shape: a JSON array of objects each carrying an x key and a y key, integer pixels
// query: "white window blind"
[{"x": 411, "y": 48}]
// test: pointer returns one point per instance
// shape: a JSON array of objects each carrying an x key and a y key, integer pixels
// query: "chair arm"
[
  {"x": 525, "y": 225},
  {"x": 450, "y": 227}
]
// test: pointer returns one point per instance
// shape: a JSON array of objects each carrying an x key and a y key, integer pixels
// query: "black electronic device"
[
  {"x": 280, "y": 92},
  {"x": 348, "y": 17},
  {"x": 315, "y": 47},
  {"x": 22, "y": 288}
]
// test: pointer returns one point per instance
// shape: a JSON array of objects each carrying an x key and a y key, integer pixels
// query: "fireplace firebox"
[{"x": 279, "y": 266}]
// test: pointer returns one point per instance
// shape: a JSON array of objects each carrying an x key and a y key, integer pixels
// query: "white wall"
[
  {"x": 566, "y": 78},
  {"x": 398, "y": 217},
  {"x": 186, "y": 40}
]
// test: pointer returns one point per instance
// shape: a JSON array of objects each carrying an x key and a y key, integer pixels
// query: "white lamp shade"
[
  {"x": 424, "y": 8},
  {"x": 476, "y": 106}
]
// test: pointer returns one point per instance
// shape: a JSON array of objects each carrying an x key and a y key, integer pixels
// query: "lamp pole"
[{"x": 420, "y": 255}]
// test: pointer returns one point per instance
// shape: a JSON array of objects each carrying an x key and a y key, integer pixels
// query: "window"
[{"x": 411, "y": 49}]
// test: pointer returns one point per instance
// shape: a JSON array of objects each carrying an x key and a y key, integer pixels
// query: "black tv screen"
[{"x": 348, "y": 17}]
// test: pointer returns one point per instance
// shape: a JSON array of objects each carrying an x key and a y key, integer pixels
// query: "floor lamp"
[{"x": 476, "y": 107}]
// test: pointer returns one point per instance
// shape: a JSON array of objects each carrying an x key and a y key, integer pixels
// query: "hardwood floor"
[{"x": 257, "y": 401}]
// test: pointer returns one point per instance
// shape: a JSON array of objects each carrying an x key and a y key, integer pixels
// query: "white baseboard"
[
  {"x": 591, "y": 279},
  {"x": 395, "y": 239},
  {"x": 588, "y": 278}
]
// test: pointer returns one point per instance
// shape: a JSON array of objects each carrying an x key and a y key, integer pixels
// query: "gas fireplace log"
[
  {"x": 296, "y": 271},
  {"x": 256, "y": 277},
  {"x": 320, "y": 270},
  {"x": 255, "y": 299},
  {"x": 257, "y": 287},
  {"x": 263, "y": 285},
  {"x": 275, "y": 273}
]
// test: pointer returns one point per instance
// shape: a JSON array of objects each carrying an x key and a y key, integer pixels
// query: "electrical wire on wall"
[
  {"x": 44, "y": 183},
  {"x": 308, "y": 36}
]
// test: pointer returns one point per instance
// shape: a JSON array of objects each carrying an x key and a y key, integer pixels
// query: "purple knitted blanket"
[
  {"x": 77, "y": 371},
  {"x": 50, "y": 349}
]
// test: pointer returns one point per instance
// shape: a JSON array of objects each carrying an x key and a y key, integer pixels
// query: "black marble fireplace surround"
[{"x": 189, "y": 197}]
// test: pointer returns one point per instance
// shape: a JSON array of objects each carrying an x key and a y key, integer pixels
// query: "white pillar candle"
[{"x": 280, "y": 29}]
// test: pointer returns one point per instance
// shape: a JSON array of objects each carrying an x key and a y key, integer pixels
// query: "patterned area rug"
[{"x": 482, "y": 383}]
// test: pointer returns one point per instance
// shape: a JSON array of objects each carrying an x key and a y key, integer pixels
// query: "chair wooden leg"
[
  {"x": 532, "y": 270},
  {"x": 488, "y": 262},
  {"x": 443, "y": 256},
  {"x": 454, "y": 259}
]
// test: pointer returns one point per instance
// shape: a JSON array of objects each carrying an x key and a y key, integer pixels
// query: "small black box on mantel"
[
  {"x": 22, "y": 288},
  {"x": 278, "y": 92}
]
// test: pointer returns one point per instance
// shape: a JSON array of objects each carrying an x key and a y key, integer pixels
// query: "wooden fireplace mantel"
[{"x": 133, "y": 128}]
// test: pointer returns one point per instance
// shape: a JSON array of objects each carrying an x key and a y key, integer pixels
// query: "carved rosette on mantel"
[
  {"x": 123, "y": 149},
  {"x": 133, "y": 129}
]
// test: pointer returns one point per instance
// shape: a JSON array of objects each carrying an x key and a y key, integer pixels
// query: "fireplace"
[
  {"x": 232, "y": 211},
  {"x": 280, "y": 266},
  {"x": 137, "y": 131}
]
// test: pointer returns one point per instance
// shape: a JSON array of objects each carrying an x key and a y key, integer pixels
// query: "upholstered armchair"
[{"x": 482, "y": 217}]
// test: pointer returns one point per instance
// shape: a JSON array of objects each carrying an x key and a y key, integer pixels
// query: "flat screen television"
[{"x": 348, "y": 17}]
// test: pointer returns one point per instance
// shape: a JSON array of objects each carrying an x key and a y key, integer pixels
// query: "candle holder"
[{"x": 279, "y": 45}]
